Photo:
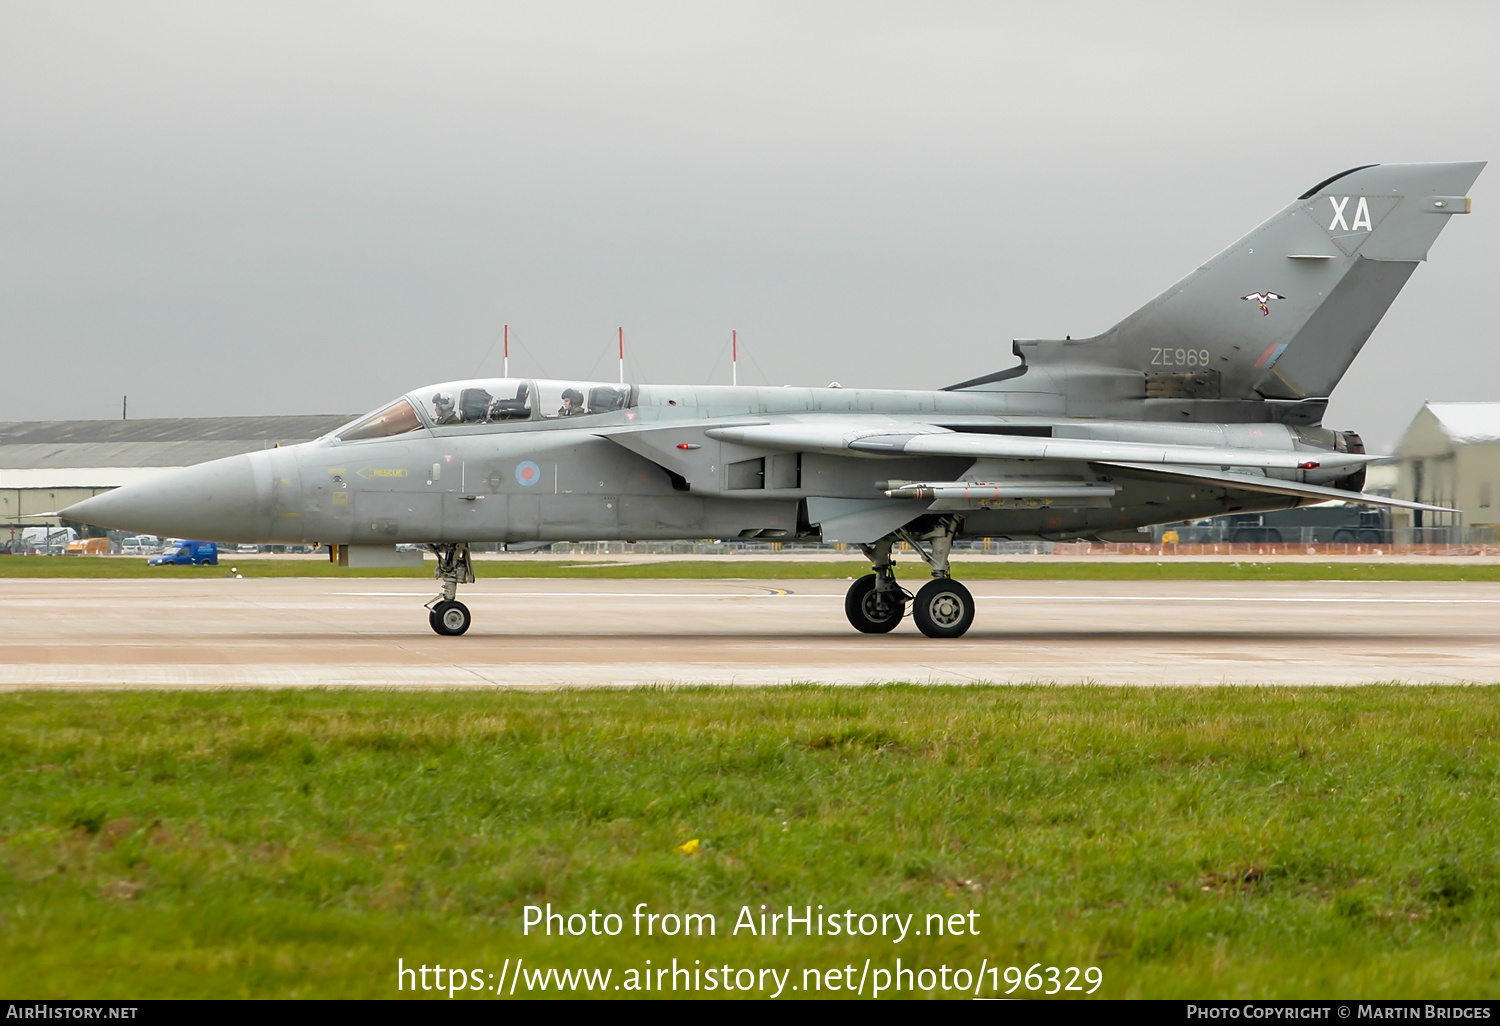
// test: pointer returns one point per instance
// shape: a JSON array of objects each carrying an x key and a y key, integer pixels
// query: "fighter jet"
[{"x": 1198, "y": 404}]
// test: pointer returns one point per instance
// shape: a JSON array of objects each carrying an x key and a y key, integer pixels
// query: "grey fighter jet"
[{"x": 1208, "y": 400}]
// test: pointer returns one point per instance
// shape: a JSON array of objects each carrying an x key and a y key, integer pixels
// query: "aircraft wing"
[
  {"x": 928, "y": 440},
  {"x": 1276, "y": 486}
]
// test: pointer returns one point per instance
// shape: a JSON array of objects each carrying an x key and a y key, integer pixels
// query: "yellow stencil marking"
[{"x": 369, "y": 472}]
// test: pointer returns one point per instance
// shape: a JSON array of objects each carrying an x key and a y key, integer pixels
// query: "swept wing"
[
  {"x": 930, "y": 440},
  {"x": 1208, "y": 464},
  {"x": 1276, "y": 486}
]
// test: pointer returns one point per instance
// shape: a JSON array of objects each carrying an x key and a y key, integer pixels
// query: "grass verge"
[
  {"x": 1189, "y": 842},
  {"x": 1103, "y": 569}
]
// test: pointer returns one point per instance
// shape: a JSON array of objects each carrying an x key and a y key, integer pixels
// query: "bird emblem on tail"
[{"x": 1264, "y": 299}]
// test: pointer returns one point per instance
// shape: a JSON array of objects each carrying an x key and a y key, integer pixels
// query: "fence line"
[{"x": 1070, "y": 550}]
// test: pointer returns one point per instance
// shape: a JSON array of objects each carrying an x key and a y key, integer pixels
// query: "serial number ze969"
[
  {"x": 1052, "y": 980},
  {"x": 1179, "y": 357}
]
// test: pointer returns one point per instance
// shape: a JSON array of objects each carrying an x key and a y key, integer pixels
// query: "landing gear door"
[
  {"x": 286, "y": 497},
  {"x": 326, "y": 498}
]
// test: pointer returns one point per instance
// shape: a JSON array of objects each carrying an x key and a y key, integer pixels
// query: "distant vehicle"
[
  {"x": 139, "y": 545},
  {"x": 247, "y": 549},
  {"x": 1251, "y": 527},
  {"x": 88, "y": 547},
  {"x": 1371, "y": 526},
  {"x": 1341, "y": 523},
  {"x": 188, "y": 553}
]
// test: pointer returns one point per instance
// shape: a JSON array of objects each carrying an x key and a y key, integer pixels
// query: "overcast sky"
[{"x": 311, "y": 207}]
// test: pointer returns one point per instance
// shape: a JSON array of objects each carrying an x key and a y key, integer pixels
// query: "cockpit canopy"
[
  {"x": 475, "y": 402},
  {"x": 396, "y": 419},
  {"x": 490, "y": 401}
]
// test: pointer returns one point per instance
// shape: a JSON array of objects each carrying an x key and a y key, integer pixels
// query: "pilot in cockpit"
[
  {"x": 572, "y": 403},
  {"x": 443, "y": 411}
]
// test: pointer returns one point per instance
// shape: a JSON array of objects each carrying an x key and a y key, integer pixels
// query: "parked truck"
[{"x": 1337, "y": 523}]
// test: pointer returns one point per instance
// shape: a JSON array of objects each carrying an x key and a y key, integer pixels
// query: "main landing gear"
[
  {"x": 446, "y": 614},
  {"x": 876, "y": 603},
  {"x": 942, "y": 608}
]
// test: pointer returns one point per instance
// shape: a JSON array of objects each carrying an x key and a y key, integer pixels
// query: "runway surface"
[{"x": 372, "y": 632}]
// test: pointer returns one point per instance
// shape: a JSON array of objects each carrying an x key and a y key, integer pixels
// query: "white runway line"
[
  {"x": 466, "y": 596},
  {"x": 1244, "y": 598},
  {"x": 471, "y": 597}
]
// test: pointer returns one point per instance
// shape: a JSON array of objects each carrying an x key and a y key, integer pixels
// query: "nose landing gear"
[
  {"x": 449, "y": 618},
  {"x": 447, "y": 615}
]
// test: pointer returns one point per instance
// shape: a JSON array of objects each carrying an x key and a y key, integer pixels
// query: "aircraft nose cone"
[{"x": 216, "y": 501}]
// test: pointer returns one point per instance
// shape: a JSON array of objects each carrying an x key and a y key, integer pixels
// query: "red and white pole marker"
[
  {"x": 734, "y": 356},
  {"x": 507, "y": 351},
  {"x": 622, "y": 356}
]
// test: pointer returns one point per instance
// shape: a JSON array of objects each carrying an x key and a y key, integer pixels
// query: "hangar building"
[
  {"x": 1450, "y": 456},
  {"x": 46, "y": 465}
]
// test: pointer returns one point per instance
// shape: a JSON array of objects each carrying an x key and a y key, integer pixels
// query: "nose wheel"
[{"x": 449, "y": 619}]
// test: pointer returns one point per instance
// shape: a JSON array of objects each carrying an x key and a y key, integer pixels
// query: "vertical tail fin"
[{"x": 1283, "y": 312}]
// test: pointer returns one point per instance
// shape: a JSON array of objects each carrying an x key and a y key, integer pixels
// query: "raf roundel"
[{"x": 528, "y": 473}]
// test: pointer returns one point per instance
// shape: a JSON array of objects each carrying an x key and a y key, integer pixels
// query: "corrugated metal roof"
[
  {"x": 174, "y": 442},
  {"x": 173, "y": 429},
  {"x": 1468, "y": 422}
]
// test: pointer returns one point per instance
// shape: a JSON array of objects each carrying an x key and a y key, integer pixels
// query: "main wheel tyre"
[
  {"x": 871, "y": 612},
  {"x": 1343, "y": 535},
  {"x": 450, "y": 618},
  {"x": 943, "y": 609}
]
